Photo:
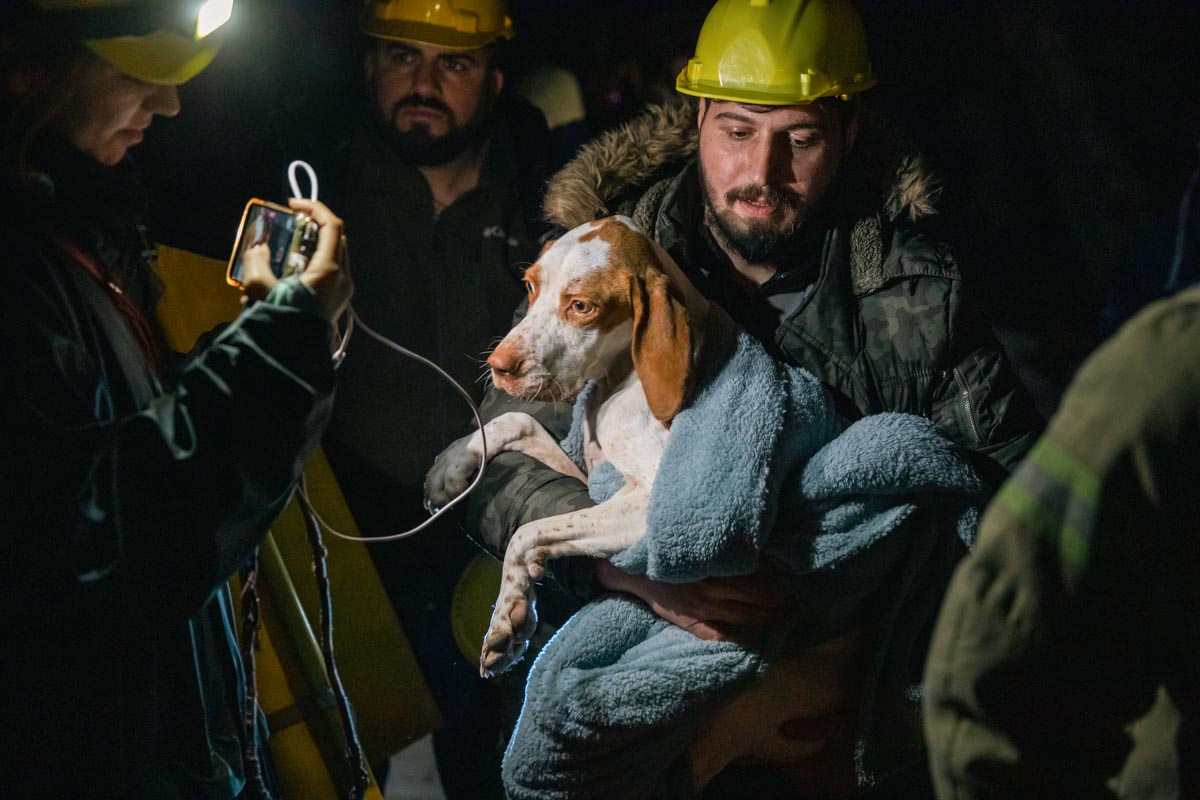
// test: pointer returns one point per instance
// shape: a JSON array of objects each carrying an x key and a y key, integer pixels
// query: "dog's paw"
[
  {"x": 452, "y": 472},
  {"x": 512, "y": 625}
]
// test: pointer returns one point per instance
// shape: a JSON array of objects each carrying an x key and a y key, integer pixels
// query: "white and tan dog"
[{"x": 606, "y": 303}]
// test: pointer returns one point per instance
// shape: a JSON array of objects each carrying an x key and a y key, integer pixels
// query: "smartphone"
[{"x": 290, "y": 235}]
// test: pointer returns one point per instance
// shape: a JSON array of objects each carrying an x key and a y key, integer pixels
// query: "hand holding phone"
[
  {"x": 290, "y": 237},
  {"x": 328, "y": 271},
  {"x": 258, "y": 260}
]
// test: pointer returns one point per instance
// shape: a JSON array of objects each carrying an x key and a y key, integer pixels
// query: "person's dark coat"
[
  {"x": 442, "y": 284},
  {"x": 129, "y": 496}
]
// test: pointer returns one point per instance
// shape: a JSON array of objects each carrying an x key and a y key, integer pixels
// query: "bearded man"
[{"x": 442, "y": 179}]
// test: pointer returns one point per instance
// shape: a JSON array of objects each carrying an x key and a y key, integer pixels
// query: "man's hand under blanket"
[{"x": 732, "y": 609}]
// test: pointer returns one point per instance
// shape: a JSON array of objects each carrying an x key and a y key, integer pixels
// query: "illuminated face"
[
  {"x": 111, "y": 112},
  {"x": 765, "y": 168},
  {"x": 431, "y": 102}
]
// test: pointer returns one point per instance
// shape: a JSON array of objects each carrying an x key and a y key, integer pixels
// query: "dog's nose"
[{"x": 505, "y": 361}]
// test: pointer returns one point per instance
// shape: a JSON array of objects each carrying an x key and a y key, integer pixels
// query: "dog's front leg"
[
  {"x": 599, "y": 532},
  {"x": 455, "y": 466}
]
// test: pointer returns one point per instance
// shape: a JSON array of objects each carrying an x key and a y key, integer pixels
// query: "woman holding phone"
[{"x": 131, "y": 488}]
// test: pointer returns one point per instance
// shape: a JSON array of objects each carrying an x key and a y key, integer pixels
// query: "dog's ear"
[{"x": 662, "y": 343}]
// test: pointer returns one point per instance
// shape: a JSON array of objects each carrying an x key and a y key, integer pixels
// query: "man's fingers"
[
  {"x": 732, "y": 609},
  {"x": 750, "y": 590},
  {"x": 740, "y": 613},
  {"x": 257, "y": 278},
  {"x": 711, "y": 630},
  {"x": 704, "y": 630}
]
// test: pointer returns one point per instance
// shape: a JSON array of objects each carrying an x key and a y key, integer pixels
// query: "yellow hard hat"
[
  {"x": 455, "y": 24},
  {"x": 471, "y": 603},
  {"x": 779, "y": 52},
  {"x": 158, "y": 41}
]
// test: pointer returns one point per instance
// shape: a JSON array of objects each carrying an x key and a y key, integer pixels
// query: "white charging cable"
[
  {"x": 339, "y": 354},
  {"x": 343, "y": 341},
  {"x": 312, "y": 179}
]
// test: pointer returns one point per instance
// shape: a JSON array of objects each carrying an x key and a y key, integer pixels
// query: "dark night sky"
[{"x": 1066, "y": 130}]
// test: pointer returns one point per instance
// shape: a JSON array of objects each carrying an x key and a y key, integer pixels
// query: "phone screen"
[{"x": 264, "y": 223}]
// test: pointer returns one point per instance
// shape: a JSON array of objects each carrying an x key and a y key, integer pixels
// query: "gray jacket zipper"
[{"x": 965, "y": 396}]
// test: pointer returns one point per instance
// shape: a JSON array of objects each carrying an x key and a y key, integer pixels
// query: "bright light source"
[{"x": 212, "y": 15}]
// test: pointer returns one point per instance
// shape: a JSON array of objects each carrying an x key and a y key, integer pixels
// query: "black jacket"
[{"x": 443, "y": 285}]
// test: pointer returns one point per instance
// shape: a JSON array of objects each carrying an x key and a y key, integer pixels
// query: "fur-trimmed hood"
[{"x": 882, "y": 177}]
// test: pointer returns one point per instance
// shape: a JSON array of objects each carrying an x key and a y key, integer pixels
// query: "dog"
[{"x": 606, "y": 304}]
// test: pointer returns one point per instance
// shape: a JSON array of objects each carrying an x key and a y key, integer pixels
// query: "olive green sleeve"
[
  {"x": 1031, "y": 680},
  {"x": 1074, "y": 612}
]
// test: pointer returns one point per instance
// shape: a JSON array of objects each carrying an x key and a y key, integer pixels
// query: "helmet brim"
[
  {"x": 774, "y": 97},
  {"x": 410, "y": 31},
  {"x": 162, "y": 57}
]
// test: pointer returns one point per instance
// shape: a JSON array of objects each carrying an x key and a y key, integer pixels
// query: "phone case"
[{"x": 241, "y": 233}]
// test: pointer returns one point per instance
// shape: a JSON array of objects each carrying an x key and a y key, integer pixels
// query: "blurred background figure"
[
  {"x": 555, "y": 91},
  {"x": 1164, "y": 258}
]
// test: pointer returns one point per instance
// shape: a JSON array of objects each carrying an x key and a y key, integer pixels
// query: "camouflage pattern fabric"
[{"x": 516, "y": 489}]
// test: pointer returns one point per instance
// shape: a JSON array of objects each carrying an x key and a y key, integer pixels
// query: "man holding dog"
[{"x": 793, "y": 208}]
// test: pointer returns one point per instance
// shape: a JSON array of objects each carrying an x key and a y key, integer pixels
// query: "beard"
[
  {"x": 421, "y": 148},
  {"x": 757, "y": 241}
]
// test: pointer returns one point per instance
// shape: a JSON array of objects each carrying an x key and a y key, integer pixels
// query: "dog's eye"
[
  {"x": 581, "y": 306},
  {"x": 529, "y": 286}
]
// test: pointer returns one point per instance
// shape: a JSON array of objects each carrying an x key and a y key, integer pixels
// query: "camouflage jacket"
[{"x": 880, "y": 318}]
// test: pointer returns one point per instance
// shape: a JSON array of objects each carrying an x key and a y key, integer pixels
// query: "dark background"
[{"x": 1066, "y": 132}]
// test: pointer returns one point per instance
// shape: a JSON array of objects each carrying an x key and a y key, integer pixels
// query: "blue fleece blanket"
[{"x": 886, "y": 506}]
